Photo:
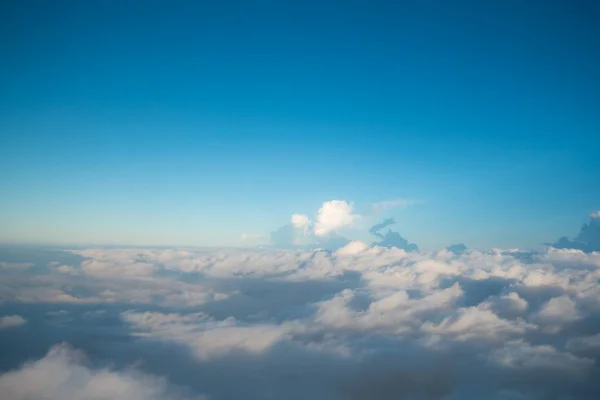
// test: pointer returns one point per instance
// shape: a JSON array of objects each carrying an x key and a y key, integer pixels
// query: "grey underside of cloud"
[
  {"x": 458, "y": 248},
  {"x": 391, "y": 238},
  {"x": 374, "y": 230},
  {"x": 364, "y": 322},
  {"x": 587, "y": 240}
]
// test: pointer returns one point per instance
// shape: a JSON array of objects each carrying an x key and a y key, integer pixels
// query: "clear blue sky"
[{"x": 192, "y": 122}]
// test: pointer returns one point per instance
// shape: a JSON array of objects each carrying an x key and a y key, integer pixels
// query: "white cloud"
[
  {"x": 333, "y": 215},
  {"x": 353, "y": 248},
  {"x": 115, "y": 280},
  {"x": 477, "y": 323},
  {"x": 571, "y": 258},
  {"x": 392, "y": 312},
  {"x": 561, "y": 310},
  {"x": 207, "y": 337},
  {"x": 11, "y": 321},
  {"x": 300, "y": 220},
  {"x": 62, "y": 374},
  {"x": 595, "y": 214}
]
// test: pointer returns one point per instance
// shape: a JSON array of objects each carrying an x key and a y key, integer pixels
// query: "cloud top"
[{"x": 333, "y": 215}]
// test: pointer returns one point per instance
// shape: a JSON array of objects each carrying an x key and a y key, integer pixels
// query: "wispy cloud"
[
  {"x": 374, "y": 230},
  {"x": 253, "y": 236},
  {"x": 390, "y": 204}
]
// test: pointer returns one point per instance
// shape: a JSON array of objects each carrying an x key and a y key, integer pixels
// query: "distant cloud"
[
  {"x": 587, "y": 240},
  {"x": 391, "y": 238},
  {"x": 11, "y": 321},
  {"x": 301, "y": 232},
  {"x": 331, "y": 217},
  {"x": 389, "y": 204},
  {"x": 394, "y": 239},
  {"x": 457, "y": 249}
]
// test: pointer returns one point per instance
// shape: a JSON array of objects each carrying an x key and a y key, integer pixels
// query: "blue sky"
[{"x": 194, "y": 122}]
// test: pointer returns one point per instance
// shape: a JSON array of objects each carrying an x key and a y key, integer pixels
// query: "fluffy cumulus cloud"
[
  {"x": 205, "y": 336},
  {"x": 300, "y": 220},
  {"x": 366, "y": 320},
  {"x": 331, "y": 218},
  {"x": 333, "y": 215},
  {"x": 301, "y": 232}
]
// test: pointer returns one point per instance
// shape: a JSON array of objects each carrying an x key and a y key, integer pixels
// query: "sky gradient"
[{"x": 191, "y": 123}]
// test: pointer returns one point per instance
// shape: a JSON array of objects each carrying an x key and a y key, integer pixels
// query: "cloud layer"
[{"x": 364, "y": 321}]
